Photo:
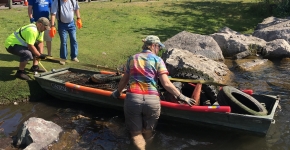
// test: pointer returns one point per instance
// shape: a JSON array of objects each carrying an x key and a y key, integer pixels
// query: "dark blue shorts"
[{"x": 23, "y": 52}]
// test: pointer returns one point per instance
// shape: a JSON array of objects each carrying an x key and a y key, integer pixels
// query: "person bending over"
[
  {"x": 142, "y": 104},
  {"x": 24, "y": 42}
]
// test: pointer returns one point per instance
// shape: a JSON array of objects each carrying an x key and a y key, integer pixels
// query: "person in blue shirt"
[{"x": 37, "y": 9}]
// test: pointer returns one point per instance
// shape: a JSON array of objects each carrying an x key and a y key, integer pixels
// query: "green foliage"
[
  {"x": 277, "y": 8},
  {"x": 112, "y": 31}
]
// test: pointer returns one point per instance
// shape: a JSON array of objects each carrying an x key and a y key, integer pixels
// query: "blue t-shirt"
[{"x": 40, "y": 8}]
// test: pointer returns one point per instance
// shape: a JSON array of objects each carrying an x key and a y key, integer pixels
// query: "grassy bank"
[{"x": 113, "y": 30}]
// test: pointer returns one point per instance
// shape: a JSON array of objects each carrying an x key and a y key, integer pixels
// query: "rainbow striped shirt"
[{"x": 144, "y": 69}]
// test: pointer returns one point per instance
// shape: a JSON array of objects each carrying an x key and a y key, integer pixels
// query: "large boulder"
[
  {"x": 37, "y": 133},
  {"x": 270, "y": 21},
  {"x": 196, "y": 44},
  {"x": 178, "y": 60},
  {"x": 186, "y": 65},
  {"x": 273, "y": 28},
  {"x": 276, "y": 49},
  {"x": 232, "y": 42}
]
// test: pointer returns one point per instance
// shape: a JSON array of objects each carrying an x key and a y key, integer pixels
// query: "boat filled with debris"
[{"x": 232, "y": 108}]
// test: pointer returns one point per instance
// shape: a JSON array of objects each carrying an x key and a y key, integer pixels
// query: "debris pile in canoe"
[{"x": 86, "y": 80}]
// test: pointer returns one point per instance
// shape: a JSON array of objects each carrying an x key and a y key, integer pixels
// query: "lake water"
[{"x": 106, "y": 128}]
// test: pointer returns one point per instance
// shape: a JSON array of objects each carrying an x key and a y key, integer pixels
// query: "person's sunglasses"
[{"x": 160, "y": 47}]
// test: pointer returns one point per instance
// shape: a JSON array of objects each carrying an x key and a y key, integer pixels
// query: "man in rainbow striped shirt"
[{"x": 142, "y": 104}]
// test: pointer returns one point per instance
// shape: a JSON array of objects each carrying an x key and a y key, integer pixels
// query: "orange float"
[{"x": 163, "y": 103}]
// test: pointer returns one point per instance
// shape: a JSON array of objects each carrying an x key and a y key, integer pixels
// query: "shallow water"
[{"x": 106, "y": 129}]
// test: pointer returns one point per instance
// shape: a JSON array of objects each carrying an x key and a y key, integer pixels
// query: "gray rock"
[
  {"x": 270, "y": 21},
  {"x": 37, "y": 133},
  {"x": 274, "y": 28},
  {"x": 242, "y": 55},
  {"x": 247, "y": 66},
  {"x": 196, "y": 44},
  {"x": 176, "y": 59},
  {"x": 276, "y": 49},
  {"x": 232, "y": 42}
]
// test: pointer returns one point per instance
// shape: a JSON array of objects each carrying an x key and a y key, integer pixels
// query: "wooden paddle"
[{"x": 119, "y": 71}]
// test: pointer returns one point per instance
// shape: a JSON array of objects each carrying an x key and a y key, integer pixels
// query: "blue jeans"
[{"x": 63, "y": 28}]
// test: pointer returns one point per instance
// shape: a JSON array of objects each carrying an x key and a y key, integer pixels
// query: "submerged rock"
[{"x": 251, "y": 64}]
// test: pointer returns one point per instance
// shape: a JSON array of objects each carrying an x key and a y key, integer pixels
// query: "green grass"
[{"x": 113, "y": 30}]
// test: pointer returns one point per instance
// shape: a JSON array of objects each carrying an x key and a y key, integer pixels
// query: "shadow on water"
[{"x": 189, "y": 136}]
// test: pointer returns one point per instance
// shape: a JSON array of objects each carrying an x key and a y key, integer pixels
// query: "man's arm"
[
  {"x": 77, "y": 12},
  {"x": 40, "y": 47},
  {"x": 33, "y": 49},
  {"x": 168, "y": 85},
  {"x": 52, "y": 17},
  {"x": 53, "y": 11},
  {"x": 30, "y": 11},
  {"x": 123, "y": 82}
]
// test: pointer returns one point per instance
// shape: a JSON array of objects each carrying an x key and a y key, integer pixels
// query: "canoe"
[{"x": 72, "y": 84}]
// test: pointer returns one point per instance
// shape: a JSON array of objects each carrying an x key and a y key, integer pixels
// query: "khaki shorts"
[
  {"x": 46, "y": 36},
  {"x": 141, "y": 112}
]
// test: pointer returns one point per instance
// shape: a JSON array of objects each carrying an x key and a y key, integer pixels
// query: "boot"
[
  {"x": 21, "y": 75},
  {"x": 35, "y": 68}
]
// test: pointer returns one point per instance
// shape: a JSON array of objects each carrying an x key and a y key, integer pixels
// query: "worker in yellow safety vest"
[{"x": 27, "y": 43}]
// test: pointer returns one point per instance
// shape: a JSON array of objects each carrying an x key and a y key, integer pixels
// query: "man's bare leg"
[
  {"x": 35, "y": 61},
  {"x": 138, "y": 140},
  {"x": 48, "y": 46},
  {"x": 22, "y": 65},
  {"x": 148, "y": 136}
]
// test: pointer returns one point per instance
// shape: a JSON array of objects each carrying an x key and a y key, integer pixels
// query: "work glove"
[
  {"x": 52, "y": 32},
  {"x": 115, "y": 94},
  {"x": 183, "y": 99},
  {"x": 32, "y": 20},
  {"x": 79, "y": 23},
  {"x": 42, "y": 56}
]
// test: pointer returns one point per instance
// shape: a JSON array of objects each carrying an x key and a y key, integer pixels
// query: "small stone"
[
  {"x": 15, "y": 103},
  {"x": 35, "y": 73}
]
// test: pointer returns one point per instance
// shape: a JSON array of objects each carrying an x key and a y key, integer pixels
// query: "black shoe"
[
  {"x": 22, "y": 75},
  {"x": 36, "y": 69}
]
